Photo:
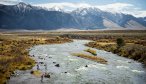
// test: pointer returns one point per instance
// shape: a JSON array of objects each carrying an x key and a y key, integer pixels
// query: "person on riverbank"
[{"x": 42, "y": 77}]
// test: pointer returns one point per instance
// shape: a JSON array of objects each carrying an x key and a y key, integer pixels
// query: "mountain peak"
[
  {"x": 22, "y": 4},
  {"x": 26, "y": 16},
  {"x": 88, "y": 10}
]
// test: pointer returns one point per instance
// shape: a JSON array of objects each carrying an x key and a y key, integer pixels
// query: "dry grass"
[
  {"x": 130, "y": 50},
  {"x": 106, "y": 36},
  {"x": 93, "y": 52},
  {"x": 14, "y": 54},
  {"x": 90, "y": 57}
]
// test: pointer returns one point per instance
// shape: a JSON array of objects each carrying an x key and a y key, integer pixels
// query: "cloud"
[
  {"x": 10, "y": 2},
  {"x": 140, "y": 13},
  {"x": 67, "y": 6},
  {"x": 115, "y": 7},
  {"x": 123, "y": 8}
]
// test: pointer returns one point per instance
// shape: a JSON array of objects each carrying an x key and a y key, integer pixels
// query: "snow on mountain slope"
[
  {"x": 55, "y": 9},
  {"x": 31, "y": 17},
  {"x": 85, "y": 11}
]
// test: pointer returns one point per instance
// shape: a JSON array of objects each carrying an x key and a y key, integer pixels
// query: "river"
[{"x": 75, "y": 70}]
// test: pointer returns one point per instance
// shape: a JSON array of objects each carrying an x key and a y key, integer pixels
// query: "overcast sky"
[{"x": 134, "y": 7}]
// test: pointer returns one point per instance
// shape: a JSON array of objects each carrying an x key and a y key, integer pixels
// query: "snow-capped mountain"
[
  {"x": 16, "y": 17},
  {"x": 93, "y": 18},
  {"x": 85, "y": 11},
  {"x": 55, "y": 9},
  {"x": 26, "y": 16}
]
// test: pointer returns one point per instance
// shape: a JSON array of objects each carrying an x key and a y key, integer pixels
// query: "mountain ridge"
[{"x": 26, "y": 16}]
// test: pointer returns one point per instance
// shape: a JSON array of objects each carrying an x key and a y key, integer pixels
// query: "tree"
[{"x": 120, "y": 42}]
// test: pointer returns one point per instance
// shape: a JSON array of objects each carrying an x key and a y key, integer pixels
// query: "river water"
[{"x": 75, "y": 70}]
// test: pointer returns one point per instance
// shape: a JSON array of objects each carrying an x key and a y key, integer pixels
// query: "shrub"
[{"x": 120, "y": 42}]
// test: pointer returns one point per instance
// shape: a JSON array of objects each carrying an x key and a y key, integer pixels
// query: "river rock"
[
  {"x": 47, "y": 75},
  {"x": 57, "y": 65},
  {"x": 54, "y": 62},
  {"x": 86, "y": 66}
]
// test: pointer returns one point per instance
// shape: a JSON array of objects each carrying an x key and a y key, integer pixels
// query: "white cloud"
[
  {"x": 115, "y": 7},
  {"x": 120, "y": 7},
  {"x": 140, "y": 14},
  {"x": 123, "y": 8},
  {"x": 9, "y": 2}
]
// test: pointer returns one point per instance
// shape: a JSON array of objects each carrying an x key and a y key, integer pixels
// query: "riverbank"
[
  {"x": 14, "y": 54},
  {"x": 64, "y": 68},
  {"x": 130, "y": 50}
]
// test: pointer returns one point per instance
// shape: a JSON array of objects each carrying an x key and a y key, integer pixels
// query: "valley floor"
[{"x": 14, "y": 55}]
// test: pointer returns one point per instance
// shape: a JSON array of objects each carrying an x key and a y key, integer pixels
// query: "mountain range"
[{"x": 26, "y": 16}]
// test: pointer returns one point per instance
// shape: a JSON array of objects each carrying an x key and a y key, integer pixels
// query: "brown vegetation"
[
  {"x": 14, "y": 54},
  {"x": 135, "y": 41},
  {"x": 141, "y": 42},
  {"x": 93, "y": 52},
  {"x": 129, "y": 36},
  {"x": 132, "y": 51},
  {"x": 90, "y": 57}
]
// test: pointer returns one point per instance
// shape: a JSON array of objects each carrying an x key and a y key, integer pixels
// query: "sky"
[{"x": 134, "y": 7}]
